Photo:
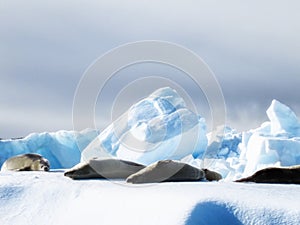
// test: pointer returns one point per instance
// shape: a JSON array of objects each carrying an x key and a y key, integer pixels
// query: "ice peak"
[
  {"x": 169, "y": 95},
  {"x": 283, "y": 119}
]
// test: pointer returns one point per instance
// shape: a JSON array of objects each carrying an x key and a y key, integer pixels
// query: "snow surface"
[{"x": 50, "y": 198}]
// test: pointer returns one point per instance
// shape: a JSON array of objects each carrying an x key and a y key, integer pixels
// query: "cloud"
[{"x": 45, "y": 47}]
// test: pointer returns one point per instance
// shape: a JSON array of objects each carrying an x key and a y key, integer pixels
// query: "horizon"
[{"x": 251, "y": 48}]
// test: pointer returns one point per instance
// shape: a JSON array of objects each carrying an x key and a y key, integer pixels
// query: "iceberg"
[
  {"x": 162, "y": 127},
  {"x": 274, "y": 143},
  {"x": 156, "y": 128},
  {"x": 61, "y": 148},
  {"x": 283, "y": 120}
]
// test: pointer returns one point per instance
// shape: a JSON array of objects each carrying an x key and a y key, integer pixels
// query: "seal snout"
[{"x": 69, "y": 174}]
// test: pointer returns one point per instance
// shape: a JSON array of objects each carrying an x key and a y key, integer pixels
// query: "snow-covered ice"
[{"x": 50, "y": 198}]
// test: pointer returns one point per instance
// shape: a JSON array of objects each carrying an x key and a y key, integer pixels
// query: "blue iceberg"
[
  {"x": 156, "y": 128},
  {"x": 61, "y": 148}
]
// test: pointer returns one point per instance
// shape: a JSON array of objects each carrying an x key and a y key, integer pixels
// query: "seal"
[
  {"x": 212, "y": 175},
  {"x": 26, "y": 162},
  {"x": 107, "y": 168},
  {"x": 279, "y": 175},
  {"x": 166, "y": 170}
]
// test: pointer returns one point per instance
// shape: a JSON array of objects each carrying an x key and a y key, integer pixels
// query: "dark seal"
[
  {"x": 104, "y": 168},
  {"x": 280, "y": 175},
  {"x": 166, "y": 170}
]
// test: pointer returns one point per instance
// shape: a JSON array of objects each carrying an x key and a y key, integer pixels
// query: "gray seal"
[
  {"x": 167, "y": 170},
  {"x": 26, "y": 162},
  {"x": 108, "y": 168},
  {"x": 279, "y": 175}
]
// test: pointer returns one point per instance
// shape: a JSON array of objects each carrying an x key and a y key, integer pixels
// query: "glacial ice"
[
  {"x": 283, "y": 120},
  {"x": 61, "y": 148},
  {"x": 156, "y": 128},
  {"x": 275, "y": 143},
  {"x": 162, "y": 127}
]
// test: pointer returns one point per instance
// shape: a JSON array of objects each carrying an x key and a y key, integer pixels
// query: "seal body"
[
  {"x": 167, "y": 170},
  {"x": 212, "y": 175},
  {"x": 104, "y": 168},
  {"x": 283, "y": 175},
  {"x": 26, "y": 162}
]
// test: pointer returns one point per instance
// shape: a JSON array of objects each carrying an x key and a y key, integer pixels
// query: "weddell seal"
[
  {"x": 104, "y": 168},
  {"x": 280, "y": 175},
  {"x": 161, "y": 171},
  {"x": 26, "y": 162},
  {"x": 167, "y": 170}
]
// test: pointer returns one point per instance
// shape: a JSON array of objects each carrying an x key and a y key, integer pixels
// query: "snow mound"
[
  {"x": 62, "y": 148},
  {"x": 156, "y": 128}
]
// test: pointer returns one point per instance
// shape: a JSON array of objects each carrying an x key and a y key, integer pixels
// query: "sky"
[{"x": 252, "y": 48}]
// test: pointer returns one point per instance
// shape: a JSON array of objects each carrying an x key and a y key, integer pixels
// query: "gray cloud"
[{"x": 45, "y": 47}]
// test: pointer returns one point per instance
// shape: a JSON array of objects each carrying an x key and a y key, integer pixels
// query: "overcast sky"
[{"x": 45, "y": 46}]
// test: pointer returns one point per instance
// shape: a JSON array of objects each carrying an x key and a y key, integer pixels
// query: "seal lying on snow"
[
  {"x": 26, "y": 162},
  {"x": 104, "y": 168},
  {"x": 212, "y": 175},
  {"x": 165, "y": 170},
  {"x": 280, "y": 175}
]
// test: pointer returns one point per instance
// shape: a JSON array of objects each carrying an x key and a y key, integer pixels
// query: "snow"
[{"x": 50, "y": 198}]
